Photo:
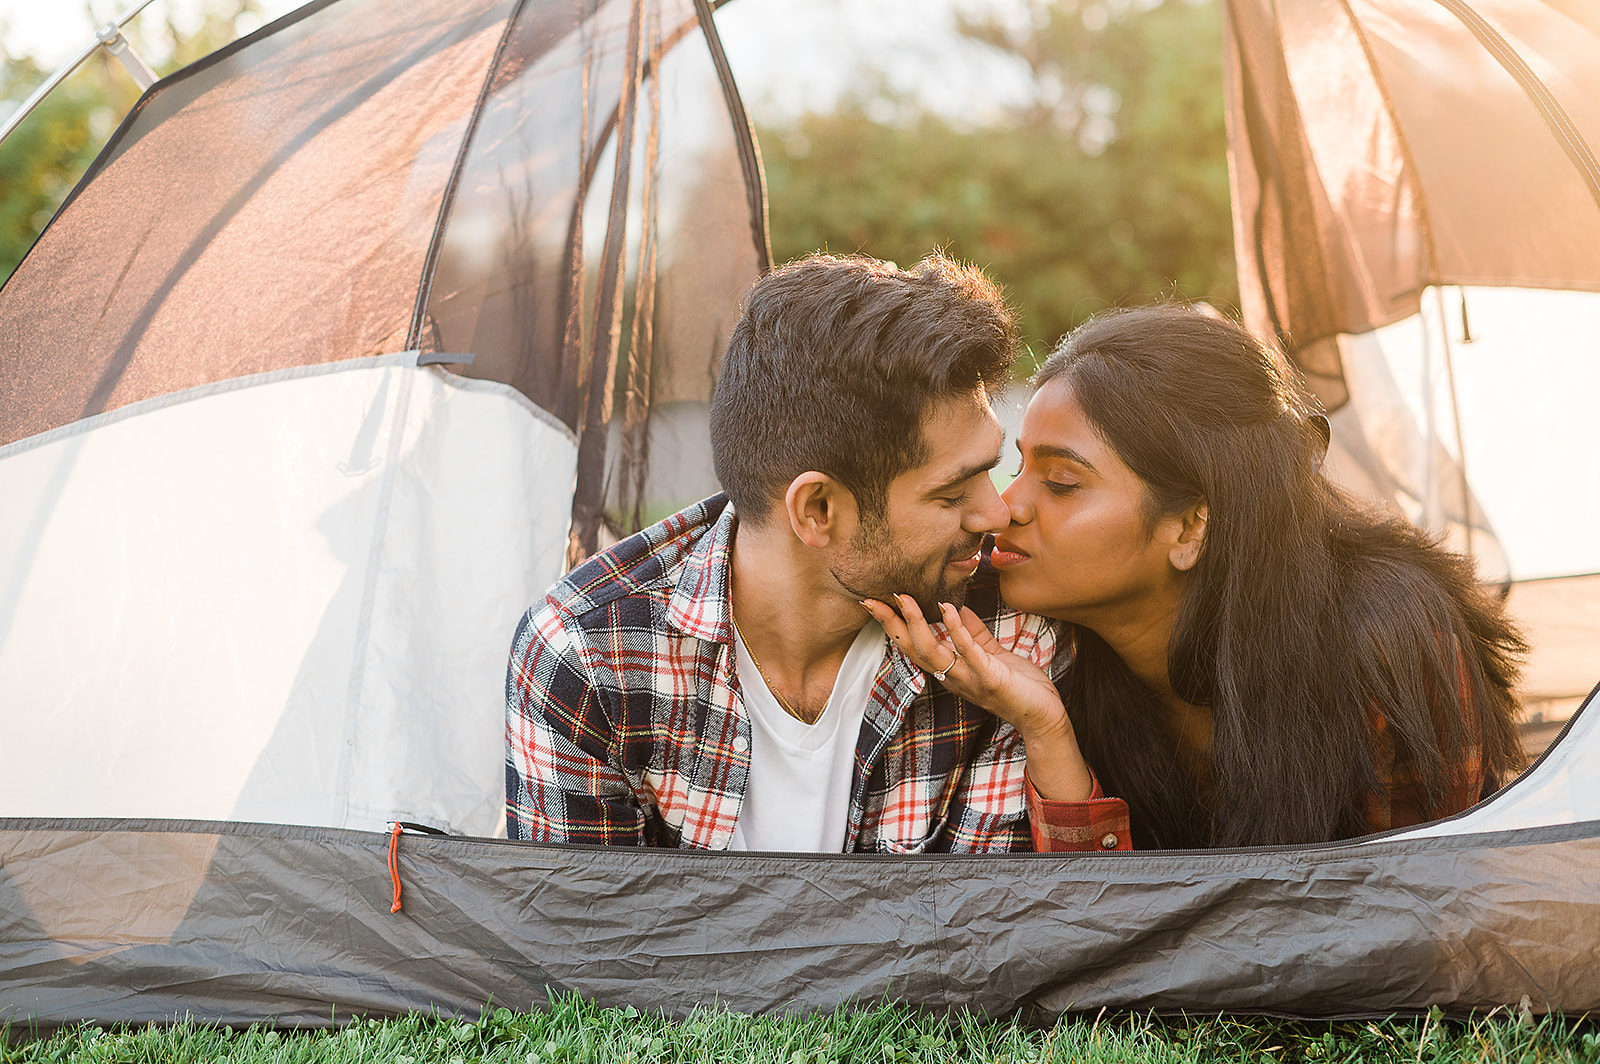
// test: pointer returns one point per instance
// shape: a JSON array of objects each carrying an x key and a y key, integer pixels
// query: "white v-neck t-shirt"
[{"x": 798, "y": 797}]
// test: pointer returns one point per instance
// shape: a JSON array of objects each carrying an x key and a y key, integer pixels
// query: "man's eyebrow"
[
  {"x": 965, "y": 475},
  {"x": 1051, "y": 450}
]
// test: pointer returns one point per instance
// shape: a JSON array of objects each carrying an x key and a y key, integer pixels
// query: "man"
[{"x": 714, "y": 681}]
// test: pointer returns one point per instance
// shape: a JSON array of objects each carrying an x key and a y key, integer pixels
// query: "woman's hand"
[{"x": 972, "y": 663}]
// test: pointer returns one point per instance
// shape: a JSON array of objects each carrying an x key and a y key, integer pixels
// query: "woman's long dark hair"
[{"x": 1306, "y": 617}]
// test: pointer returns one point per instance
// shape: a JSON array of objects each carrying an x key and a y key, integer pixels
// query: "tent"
[{"x": 321, "y": 375}]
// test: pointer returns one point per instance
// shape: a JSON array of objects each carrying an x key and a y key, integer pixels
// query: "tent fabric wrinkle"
[
  {"x": 1334, "y": 931},
  {"x": 588, "y": 500}
]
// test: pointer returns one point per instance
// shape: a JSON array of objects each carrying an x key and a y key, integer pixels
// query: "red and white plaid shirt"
[{"x": 625, "y": 724}]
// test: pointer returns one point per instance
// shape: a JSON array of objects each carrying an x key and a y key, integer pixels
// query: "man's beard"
[{"x": 874, "y": 569}]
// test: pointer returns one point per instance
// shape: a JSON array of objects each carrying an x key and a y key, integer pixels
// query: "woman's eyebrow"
[{"x": 1051, "y": 450}]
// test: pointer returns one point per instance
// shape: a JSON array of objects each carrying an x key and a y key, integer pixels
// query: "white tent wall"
[
  {"x": 304, "y": 581},
  {"x": 1492, "y": 388}
]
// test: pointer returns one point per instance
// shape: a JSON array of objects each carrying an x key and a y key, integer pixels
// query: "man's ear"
[
  {"x": 820, "y": 508},
  {"x": 1191, "y": 539}
]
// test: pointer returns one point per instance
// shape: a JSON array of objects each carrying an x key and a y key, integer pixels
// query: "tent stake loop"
[{"x": 394, "y": 864}]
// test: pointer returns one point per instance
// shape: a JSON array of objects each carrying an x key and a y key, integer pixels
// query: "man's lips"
[
  {"x": 1005, "y": 556},
  {"x": 969, "y": 561}
]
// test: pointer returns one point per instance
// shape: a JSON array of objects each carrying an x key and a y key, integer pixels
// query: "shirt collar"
[{"x": 698, "y": 604}]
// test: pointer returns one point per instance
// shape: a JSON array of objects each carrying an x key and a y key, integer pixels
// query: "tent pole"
[
  {"x": 430, "y": 262},
  {"x": 106, "y": 37},
  {"x": 1468, "y": 516},
  {"x": 755, "y": 178},
  {"x": 588, "y": 501},
  {"x": 1544, "y": 101}
]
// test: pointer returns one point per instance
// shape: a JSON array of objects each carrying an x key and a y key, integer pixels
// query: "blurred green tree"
[
  {"x": 1109, "y": 187},
  {"x": 43, "y": 158}
]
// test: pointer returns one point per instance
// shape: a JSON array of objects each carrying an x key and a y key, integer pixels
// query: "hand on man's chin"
[{"x": 954, "y": 593}]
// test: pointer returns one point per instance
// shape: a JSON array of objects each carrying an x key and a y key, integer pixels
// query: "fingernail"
[{"x": 943, "y": 606}]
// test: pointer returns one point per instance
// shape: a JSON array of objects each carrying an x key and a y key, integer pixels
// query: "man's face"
[{"x": 926, "y": 544}]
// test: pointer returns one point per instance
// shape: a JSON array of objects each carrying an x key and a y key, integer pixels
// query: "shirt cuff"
[{"x": 1096, "y": 823}]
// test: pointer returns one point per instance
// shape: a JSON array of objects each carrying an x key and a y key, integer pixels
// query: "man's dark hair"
[{"x": 834, "y": 364}]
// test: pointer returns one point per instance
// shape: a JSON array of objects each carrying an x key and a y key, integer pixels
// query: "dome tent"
[{"x": 268, "y": 287}]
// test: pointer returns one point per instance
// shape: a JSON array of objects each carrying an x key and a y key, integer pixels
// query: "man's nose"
[{"x": 991, "y": 514}]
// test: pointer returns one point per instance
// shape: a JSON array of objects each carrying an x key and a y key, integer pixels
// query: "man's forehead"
[{"x": 962, "y": 438}]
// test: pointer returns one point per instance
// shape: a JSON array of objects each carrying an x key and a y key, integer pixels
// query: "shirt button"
[
  {"x": 741, "y": 744},
  {"x": 1109, "y": 842}
]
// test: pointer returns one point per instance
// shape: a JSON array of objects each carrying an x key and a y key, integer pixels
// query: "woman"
[{"x": 1256, "y": 658}]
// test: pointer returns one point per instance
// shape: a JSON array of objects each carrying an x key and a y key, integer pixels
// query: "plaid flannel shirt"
[{"x": 625, "y": 723}]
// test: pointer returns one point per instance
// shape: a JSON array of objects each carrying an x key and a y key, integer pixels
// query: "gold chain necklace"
[{"x": 782, "y": 701}]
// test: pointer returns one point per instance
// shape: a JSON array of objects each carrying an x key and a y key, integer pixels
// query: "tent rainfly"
[{"x": 308, "y": 390}]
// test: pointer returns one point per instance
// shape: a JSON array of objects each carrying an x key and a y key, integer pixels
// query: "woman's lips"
[{"x": 1005, "y": 556}]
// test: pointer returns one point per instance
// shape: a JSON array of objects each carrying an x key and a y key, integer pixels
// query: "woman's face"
[{"x": 1079, "y": 546}]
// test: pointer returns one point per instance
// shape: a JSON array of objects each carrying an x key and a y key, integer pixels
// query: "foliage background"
[{"x": 1109, "y": 187}]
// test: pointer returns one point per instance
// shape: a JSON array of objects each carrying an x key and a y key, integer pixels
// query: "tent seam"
[
  {"x": 1555, "y": 117},
  {"x": 1538, "y": 835},
  {"x": 447, "y": 200},
  {"x": 253, "y": 380},
  {"x": 505, "y": 391},
  {"x": 369, "y": 594},
  {"x": 201, "y": 391},
  {"x": 749, "y": 150}
]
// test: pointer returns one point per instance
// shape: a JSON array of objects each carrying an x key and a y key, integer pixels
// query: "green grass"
[{"x": 574, "y": 1032}]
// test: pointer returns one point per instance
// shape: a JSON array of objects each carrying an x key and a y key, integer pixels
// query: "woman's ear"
[
  {"x": 820, "y": 509},
  {"x": 1191, "y": 538}
]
